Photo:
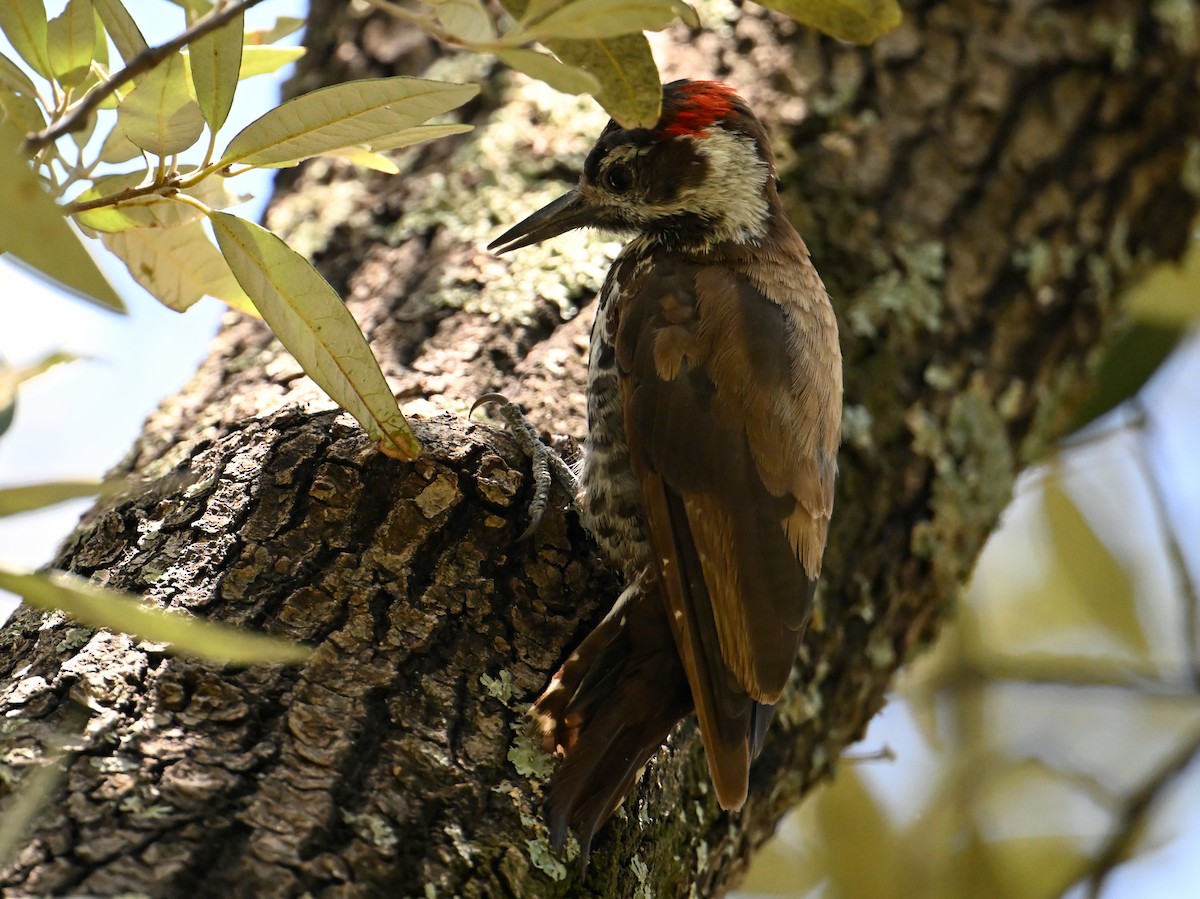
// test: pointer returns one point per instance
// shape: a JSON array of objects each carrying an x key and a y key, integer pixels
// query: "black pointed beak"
[{"x": 567, "y": 212}]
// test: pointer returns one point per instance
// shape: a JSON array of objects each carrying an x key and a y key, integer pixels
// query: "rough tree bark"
[{"x": 975, "y": 189}]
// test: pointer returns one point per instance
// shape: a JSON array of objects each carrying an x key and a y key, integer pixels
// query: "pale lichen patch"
[
  {"x": 544, "y": 859},
  {"x": 909, "y": 295},
  {"x": 975, "y": 467}
]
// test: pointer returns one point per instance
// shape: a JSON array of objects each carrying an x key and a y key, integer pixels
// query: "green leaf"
[
  {"x": 544, "y": 67},
  {"x": 265, "y": 60},
  {"x": 1127, "y": 365},
  {"x": 595, "y": 19},
  {"x": 368, "y": 154},
  {"x": 12, "y": 378},
  {"x": 465, "y": 19},
  {"x": 630, "y": 86},
  {"x": 344, "y": 115},
  {"x": 100, "y": 49},
  {"x": 310, "y": 319},
  {"x": 123, "y": 612},
  {"x": 24, "y": 24},
  {"x": 368, "y": 159},
  {"x": 283, "y": 26},
  {"x": 18, "y": 97},
  {"x": 108, "y": 218},
  {"x": 216, "y": 60},
  {"x": 25, "y": 803},
  {"x": 856, "y": 21},
  {"x": 177, "y": 265},
  {"x": 71, "y": 41},
  {"x": 27, "y": 498},
  {"x": 121, "y": 28},
  {"x": 1169, "y": 294},
  {"x": 20, "y": 108},
  {"x": 40, "y": 236},
  {"x": 118, "y": 148},
  {"x": 14, "y": 78},
  {"x": 1089, "y": 571},
  {"x": 418, "y": 134},
  {"x": 159, "y": 115}
]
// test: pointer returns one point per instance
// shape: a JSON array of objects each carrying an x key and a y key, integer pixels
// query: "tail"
[{"x": 607, "y": 710}]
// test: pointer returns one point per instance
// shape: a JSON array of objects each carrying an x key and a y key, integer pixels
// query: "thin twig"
[
  {"x": 143, "y": 62},
  {"x": 424, "y": 22},
  {"x": 1178, "y": 559},
  {"x": 121, "y": 196},
  {"x": 1132, "y": 819}
]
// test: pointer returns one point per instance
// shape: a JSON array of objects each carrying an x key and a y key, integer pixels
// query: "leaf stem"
[{"x": 143, "y": 62}]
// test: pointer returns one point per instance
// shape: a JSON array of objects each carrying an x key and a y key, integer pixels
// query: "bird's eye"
[{"x": 618, "y": 178}]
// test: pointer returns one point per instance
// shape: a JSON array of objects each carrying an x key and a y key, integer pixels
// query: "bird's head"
[{"x": 703, "y": 175}]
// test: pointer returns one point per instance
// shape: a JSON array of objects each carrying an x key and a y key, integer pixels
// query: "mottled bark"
[{"x": 975, "y": 189}]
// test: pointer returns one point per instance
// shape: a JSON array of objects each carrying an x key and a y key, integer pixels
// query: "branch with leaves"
[{"x": 166, "y": 97}]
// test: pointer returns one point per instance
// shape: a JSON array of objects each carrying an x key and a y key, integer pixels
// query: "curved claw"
[
  {"x": 547, "y": 465},
  {"x": 486, "y": 399}
]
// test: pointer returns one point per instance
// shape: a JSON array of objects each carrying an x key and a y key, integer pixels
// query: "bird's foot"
[{"x": 548, "y": 466}]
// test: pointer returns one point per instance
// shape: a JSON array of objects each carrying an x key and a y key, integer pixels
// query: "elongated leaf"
[
  {"x": 178, "y": 265},
  {"x": 24, "y": 24},
  {"x": 13, "y": 77},
  {"x": 100, "y": 49},
  {"x": 406, "y": 137},
  {"x": 1127, "y": 365},
  {"x": 344, "y": 115},
  {"x": 118, "y": 148},
  {"x": 1089, "y": 571},
  {"x": 159, "y": 115},
  {"x": 265, "y": 60},
  {"x": 630, "y": 87},
  {"x": 121, "y": 28},
  {"x": 71, "y": 41},
  {"x": 40, "y": 235},
  {"x": 466, "y": 19},
  {"x": 123, "y": 612},
  {"x": 12, "y": 378},
  {"x": 368, "y": 159},
  {"x": 368, "y": 154},
  {"x": 216, "y": 60},
  {"x": 592, "y": 19},
  {"x": 311, "y": 320},
  {"x": 21, "y": 109},
  {"x": 283, "y": 26},
  {"x": 28, "y": 497},
  {"x": 857, "y": 21},
  {"x": 544, "y": 67},
  {"x": 26, "y": 804},
  {"x": 108, "y": 218}
]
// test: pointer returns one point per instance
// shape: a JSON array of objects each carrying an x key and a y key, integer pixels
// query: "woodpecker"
[{"x": 714, "y": 414}]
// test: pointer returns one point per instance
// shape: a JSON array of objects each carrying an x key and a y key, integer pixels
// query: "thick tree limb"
[{"x": 975, "y": 189}]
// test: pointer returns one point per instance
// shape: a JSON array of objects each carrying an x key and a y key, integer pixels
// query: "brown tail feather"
[{"x": 608, "y": 710}]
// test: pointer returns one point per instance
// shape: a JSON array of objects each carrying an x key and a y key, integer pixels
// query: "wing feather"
[{"x": 732, "y": 439}]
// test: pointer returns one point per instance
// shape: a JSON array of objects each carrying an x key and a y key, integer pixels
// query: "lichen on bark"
[{"x": 975, "y": 188}]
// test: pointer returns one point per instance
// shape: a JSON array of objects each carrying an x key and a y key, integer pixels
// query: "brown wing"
[{"x": 732, "y": 435}]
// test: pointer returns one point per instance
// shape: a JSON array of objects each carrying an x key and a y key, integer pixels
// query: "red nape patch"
[{"x": 691, "y": 108}]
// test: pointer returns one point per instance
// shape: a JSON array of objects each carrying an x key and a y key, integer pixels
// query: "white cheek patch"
[
  {"x": 731, "y": 199},
  {"x": 732, "y": 196}
]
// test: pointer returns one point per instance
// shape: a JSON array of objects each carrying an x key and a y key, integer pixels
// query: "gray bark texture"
[{"x": 975, "y": 189}]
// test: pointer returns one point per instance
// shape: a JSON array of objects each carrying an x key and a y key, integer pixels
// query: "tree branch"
[{"x": 143, "y": 62}]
